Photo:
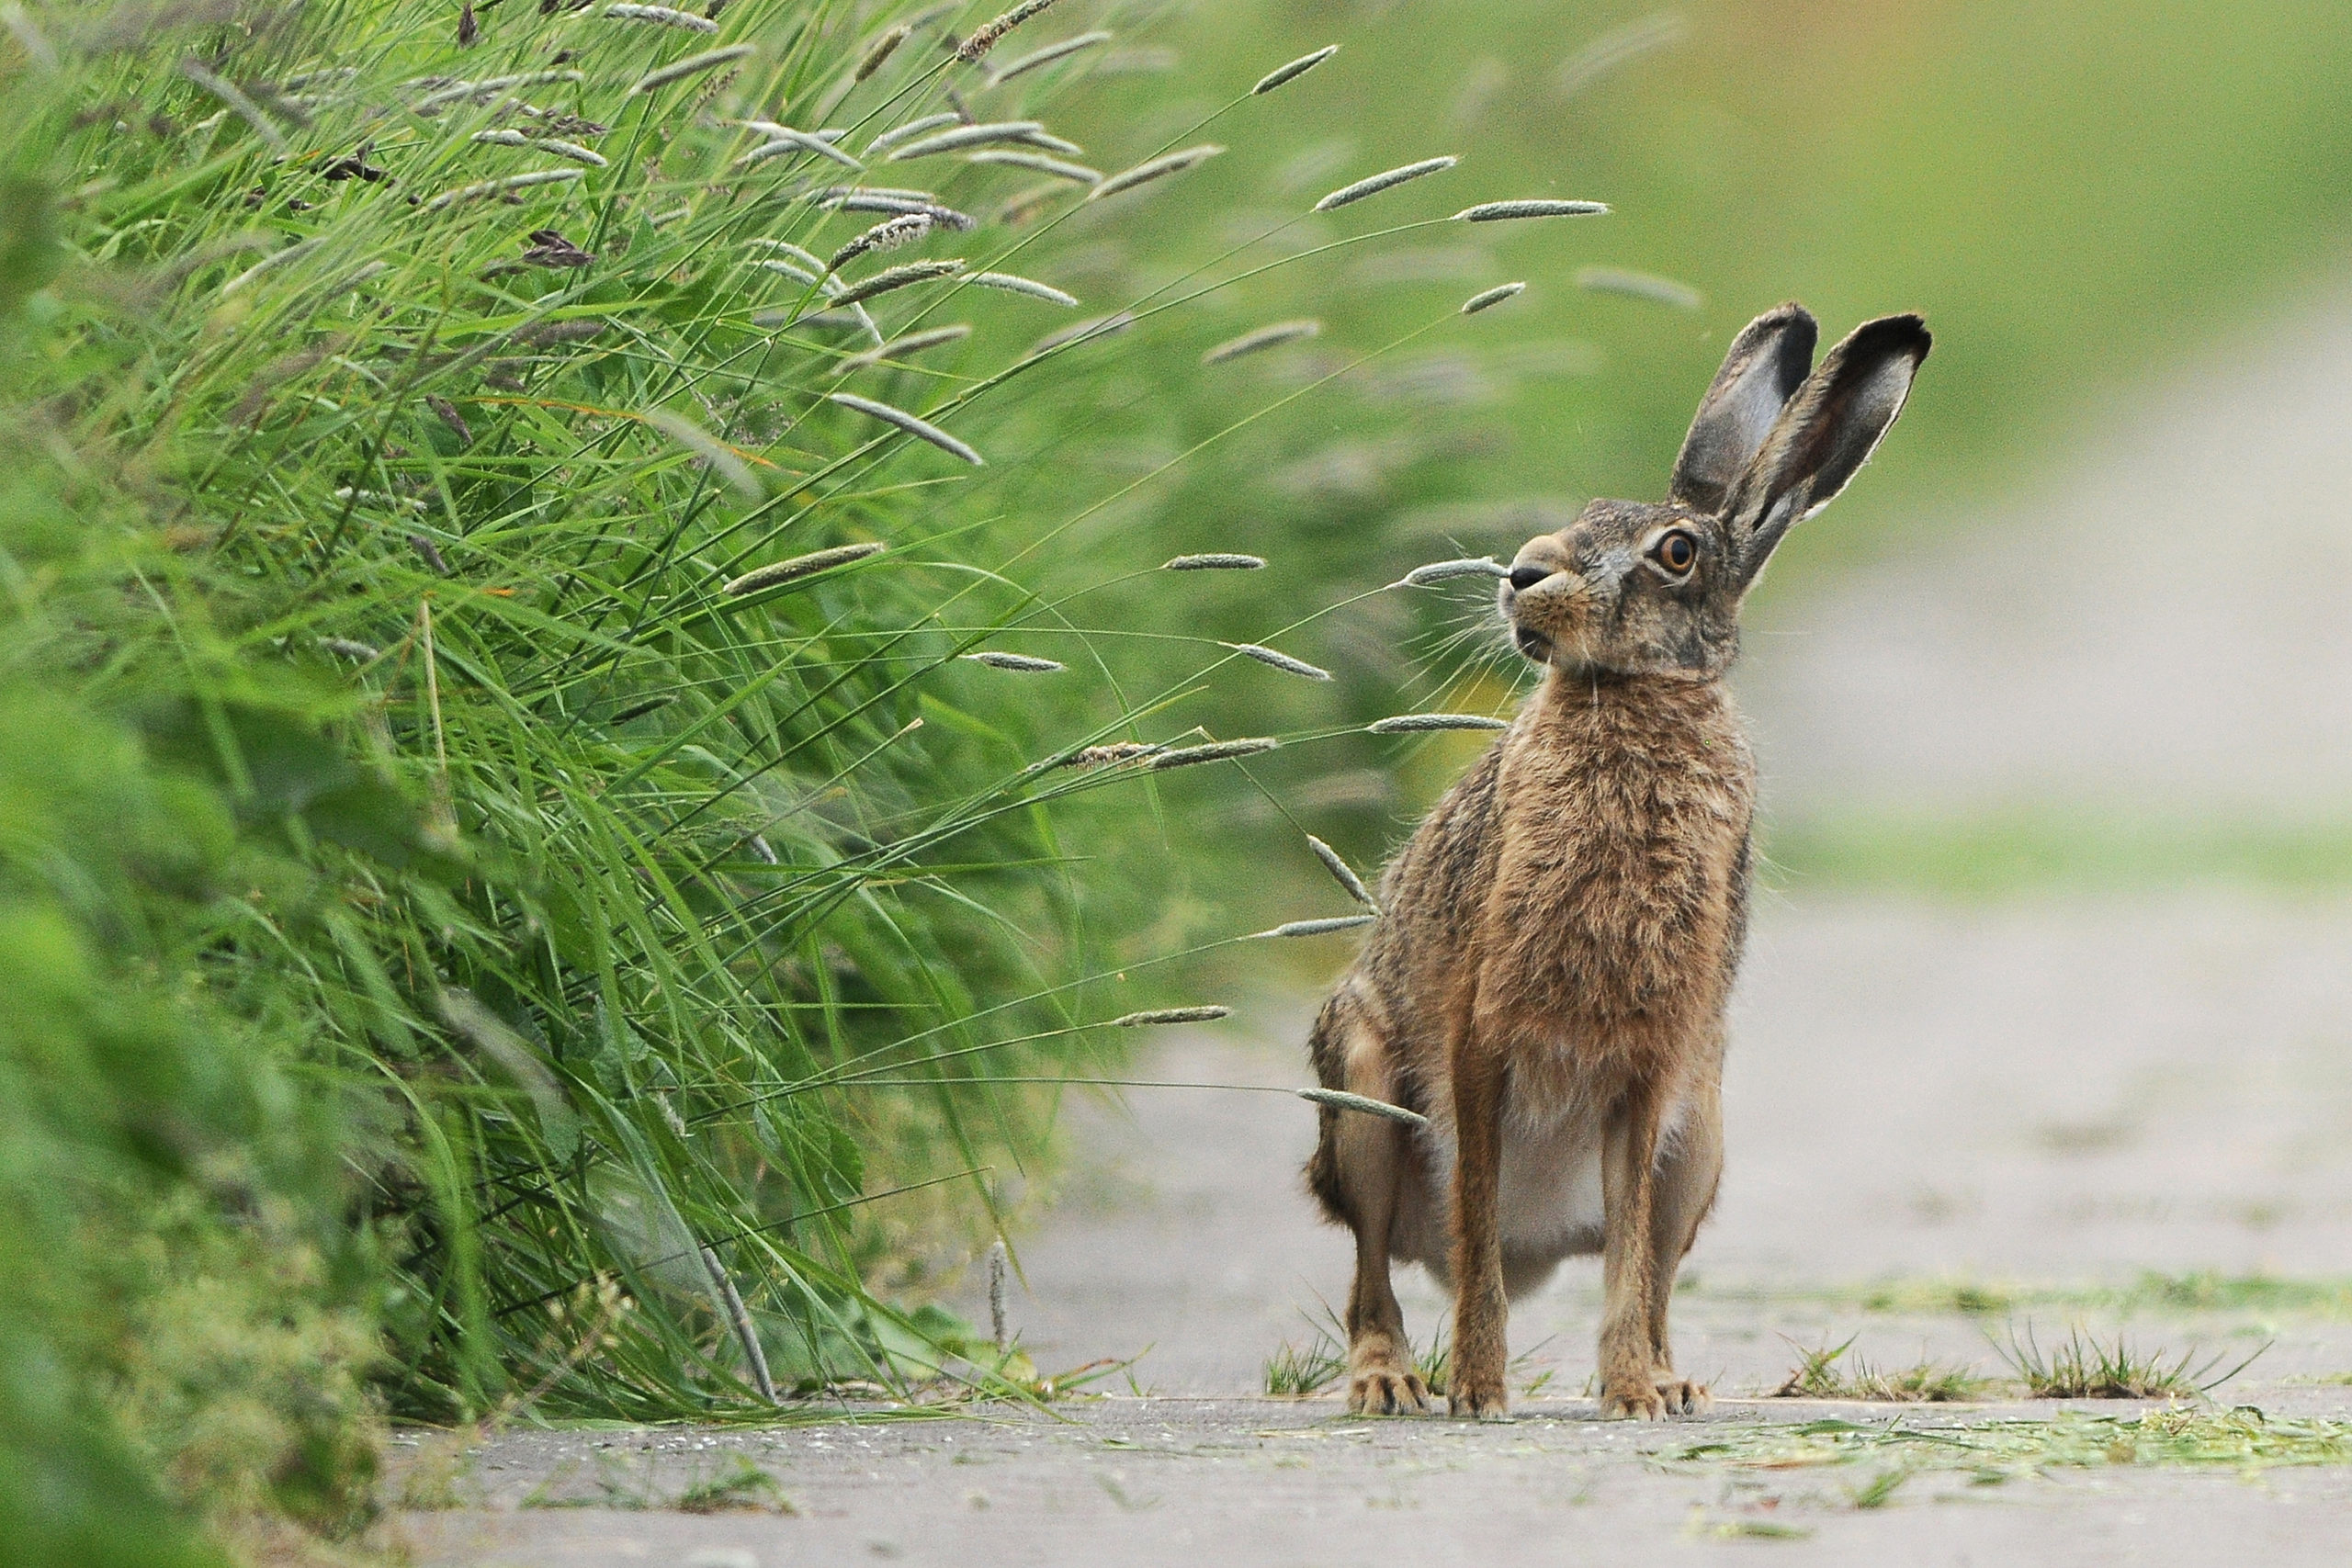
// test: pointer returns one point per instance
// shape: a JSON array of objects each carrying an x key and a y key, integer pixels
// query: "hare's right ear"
[
  {"x": 1766, "y": 363},
  {"x": 1827, "y": 432}
]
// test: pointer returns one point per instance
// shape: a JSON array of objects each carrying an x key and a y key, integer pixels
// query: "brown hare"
[{"x": 1547, "y": 981}]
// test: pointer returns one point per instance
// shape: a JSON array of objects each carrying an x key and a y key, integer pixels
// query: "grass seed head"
[
  {"x": 1640, "y": 286},
  {"x": 1340, "y": 1099},
  {"x": 997, "y": 1259},
  {"x": 908, "y": 131},
  {"x": 784, "y": 138},
  {"x": 1039, "y": 137},
  {"x": 798, "y": 567},
  {"x": 1385, "y": 180},
  {"x": 1213, "y": 751},
  {"x": 430, "y": 552},
  {"x": 1208, "y": 1014},
  {"x": 663, "y": 15},
  {"x": 1154, "y": 168},
  {"x": 1617, "y": 48},
  {"x": 901, "y": 346},
  {"x": 989, "y": 34},
  {"x": 1283, "y": 75},
  {"x": 1039, "y": 58},
  {"x": 640, "y": 709},
  {"x": 1446, "y": 570},
  {"x": 1485, "y": 299},
  {"x": 898, "y": 204},
  {"x": 1319, "y": 927},
  {"x": 692, "y": 65},
  {"x": 1214, "y": 562},
  {"x": 500, "y": 186},
  {"x": 1505, "y": 211},
  {"x": 888, "y": 235},
  {"x": 1416, "y": 723},
  {"x": 1115, "y": 752},
  {"x": 1265, "y": 337},
  {"x": 966, "y": 136},
  {"x": 900, "y": 277},
  {"x": 344, "y": 647},
  {"x": 1021, "y": 662},
  {"x": 883, "y": 49},
  {"x": 1279, "y": 661},
  {"x": 1342, "y": 873},
  {"x": 721, "y": 457},
  {"x": 920, "y": 429},
  {"x": 1012, "y": 284},
  {"x": 588, "y": 157},
  {"x": 1039, "y": 163}
]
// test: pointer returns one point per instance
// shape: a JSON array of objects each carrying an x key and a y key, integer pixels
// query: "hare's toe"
[
  {"x": 1382, "y": 1392},
  {"x": 1639, "y": 1402},
  {"x": 1481, "y": 1399},
  {"x": 1683, "y": 1397}
]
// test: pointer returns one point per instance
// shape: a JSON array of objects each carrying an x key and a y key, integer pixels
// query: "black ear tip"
[{"x": 1895, "y": 334}]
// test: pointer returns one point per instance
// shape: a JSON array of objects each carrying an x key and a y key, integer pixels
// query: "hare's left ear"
[{"x": 1826, "y": 433}]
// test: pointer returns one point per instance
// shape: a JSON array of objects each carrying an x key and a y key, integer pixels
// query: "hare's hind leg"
[{"x": 1356, "y": 1170}]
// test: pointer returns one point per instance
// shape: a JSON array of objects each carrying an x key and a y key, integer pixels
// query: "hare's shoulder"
[{"x": 1451, "y": 852}]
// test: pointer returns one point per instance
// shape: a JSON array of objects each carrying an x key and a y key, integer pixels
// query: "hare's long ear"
[
  {"x": 1828, "y": 430},
  {"x": 1766, "y": 363}
]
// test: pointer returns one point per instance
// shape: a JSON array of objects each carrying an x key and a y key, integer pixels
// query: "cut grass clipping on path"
[
  {"x": 518, "y": 900},
  {"x": 1995, "y": 1451},
  {"x": 2199, "y": 1292}
]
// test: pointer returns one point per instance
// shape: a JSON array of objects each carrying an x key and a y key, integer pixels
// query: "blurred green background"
[{"x": 2086, "y": 201}]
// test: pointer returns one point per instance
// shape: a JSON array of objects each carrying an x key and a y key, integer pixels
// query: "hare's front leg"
[
  {"x": 1688, "y": 1172},
  {"x": 1629, "y": 1261},
  {"x": 1481, "y": 1312}
]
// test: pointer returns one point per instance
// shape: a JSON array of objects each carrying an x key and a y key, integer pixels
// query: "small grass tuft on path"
[
  {"x": 2083, "y": 1368},
  {"x": 1825, "y": 1373}
]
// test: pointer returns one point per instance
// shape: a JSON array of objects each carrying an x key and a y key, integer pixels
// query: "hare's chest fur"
[{"x": 1613, "y": 926}]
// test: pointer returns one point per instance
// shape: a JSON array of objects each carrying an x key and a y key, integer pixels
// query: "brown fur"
[{"x": 1548, "y": 983}]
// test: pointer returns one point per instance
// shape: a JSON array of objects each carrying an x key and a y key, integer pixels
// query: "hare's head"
[{"x": 1633, "y": 588}]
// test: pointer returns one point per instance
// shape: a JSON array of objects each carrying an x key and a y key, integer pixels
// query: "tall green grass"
[{"x": 474, "y": 915}]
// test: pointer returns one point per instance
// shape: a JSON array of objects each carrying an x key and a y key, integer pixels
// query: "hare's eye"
[{"x": 1676, "y": 551}]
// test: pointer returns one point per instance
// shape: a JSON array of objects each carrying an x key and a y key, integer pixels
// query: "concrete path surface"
[
  {"x": 1949, "y": 1129},
  {"x": 1245, "y": 1483},
  {"x": 1955, "y": 1130}
]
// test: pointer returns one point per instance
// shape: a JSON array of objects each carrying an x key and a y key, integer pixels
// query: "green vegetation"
[
  {"x": 2085, "y": 1366},
  {"x": 2200, "y": 1291},
  {"x": 1826, "y": 1373},
  {"x": 1995, "y": 1451},
  {"x": 521, "y": 895}
]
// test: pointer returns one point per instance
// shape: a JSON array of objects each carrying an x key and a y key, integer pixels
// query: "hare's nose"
[{"x": 1523, "y": 578}]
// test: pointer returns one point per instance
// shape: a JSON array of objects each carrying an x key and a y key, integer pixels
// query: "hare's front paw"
[
  {"x": 1480, "y": 1398},
  {"x": 1683, "y": 1397},
  {"x": 1382, "y": 1391},
  {"x": 1636, "y": 1402}
]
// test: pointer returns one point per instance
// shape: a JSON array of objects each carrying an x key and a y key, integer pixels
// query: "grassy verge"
[{"x": 579, "y": 764}]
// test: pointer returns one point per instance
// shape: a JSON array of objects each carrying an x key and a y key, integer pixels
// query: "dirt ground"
[{"x": 1951, "y": 1125}]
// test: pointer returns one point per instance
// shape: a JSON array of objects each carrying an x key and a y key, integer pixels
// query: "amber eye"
[{"x": 1676, "y": 551}]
